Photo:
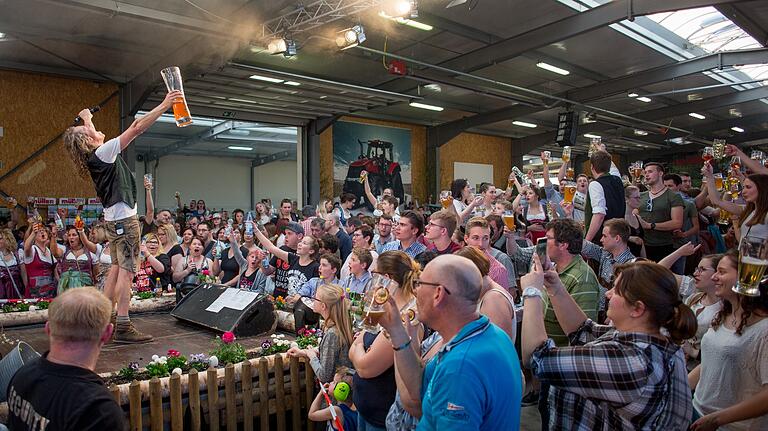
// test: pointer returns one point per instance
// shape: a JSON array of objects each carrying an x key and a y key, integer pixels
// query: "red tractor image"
[{"x": 383, "y": 172}]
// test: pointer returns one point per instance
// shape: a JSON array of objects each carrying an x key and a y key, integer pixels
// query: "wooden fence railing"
[{"x": 274, "y": 392}]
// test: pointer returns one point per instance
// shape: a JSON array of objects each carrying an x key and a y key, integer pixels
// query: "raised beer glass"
[
  {"x": 570, "y": 191},
  {"x": 708, "y": 153},
  {"x": 373, "y": 303},
  {"x": 719, "y": 181},
  {"x": 446, "y": 199},
  {"x": 172, "y": 78},
  {"x": 753, "y": 260},
  {"x": 509, "y": 220},
  {"x": 718, "y": 148},
  {"x": 566, "y": 154},
  {"x": 545, "y": 155}
]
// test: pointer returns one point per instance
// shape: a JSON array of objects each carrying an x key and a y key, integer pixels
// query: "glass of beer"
[
  {"x": 736, "y": 163},
  {"x": 172, "y": 78},
  {"x": 446, "y": 199},
  {"x": 363, "y": 177},
  {"x": 718, "y": 148},
  {"x": 569, "y": 173},
  {"x": 570, "y": 191},
  {"x": 708, "y": 153},
  {"x": 373, "y": 302},
  {"x": 509, "y": 220},
  {"x": 566, "y": 154},
  {"x": 724, "y": 217},
  {"x": 545, "y": 155},
  {"x": 757, "y": 155},
  {"x": 719, "y": 182},
  {"x": 753, "y": 260}
]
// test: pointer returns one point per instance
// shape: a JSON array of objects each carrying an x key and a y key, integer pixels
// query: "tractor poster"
[{"x": 383, "y": 152}]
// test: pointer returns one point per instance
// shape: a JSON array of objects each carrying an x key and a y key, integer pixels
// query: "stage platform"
[{"x": 169, "y": 333}]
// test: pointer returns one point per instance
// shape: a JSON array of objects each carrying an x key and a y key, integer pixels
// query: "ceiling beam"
[
  {"x": 529, "y": 143},
  {"x": 447, "y": 131},
  {"x": 282, "y": 155}
]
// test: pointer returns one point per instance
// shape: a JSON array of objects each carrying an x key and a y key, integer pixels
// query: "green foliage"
[
  {"x": 228, "y": 353},
  {"x": 176, "y": 362},
  {"x": 145, "y": 295},
  {"x": 156, "y": 369}
]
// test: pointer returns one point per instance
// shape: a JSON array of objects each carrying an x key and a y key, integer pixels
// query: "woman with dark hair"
[
  {"x": 628, "y": 376},
  {"x": 463, "y": 201},
  {"x": 237, "y": 218},
  {"x": 534, "y": 212},
  {"x": 187, "y": 269},
  {"x": 753, "y": 219},
  {"x": 731, "y": 383},
  {"x": 39, "y": 262},
  {"x": 76, "y": 260},
  {"x": 372, "y": 354},
  {"x": 179, "y": 251},
  {"x": 201, "y": 211}
]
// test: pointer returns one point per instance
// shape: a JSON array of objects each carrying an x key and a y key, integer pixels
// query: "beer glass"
[
  {"x": 172, "y": 78},
  {"x": 753, "y": 260},
  {"x": 719, "y": 182},
  {"x": 545, "y": 155},
  {"x": 408, "y": 315},
  {"x": 757, "y": 155},
  {"x": 566, "y": 154},
  {"x": 570, "y": 191},
  {"x": 446, "y": 199},
  {"x": 509, "y": 220},
  {"x": 736, "y": 163},
  {"x": 594, "y": 146},
  {"x": 373, "y": 302},
  {"x": 569, "y": 173},
  {"x": 724, "y": 217},
  {"x": 363, "y": 177},
  {"x": 148, "y": 178},
  {"x": 708, "y": 153},
  {"x": 718, "y": 148}
]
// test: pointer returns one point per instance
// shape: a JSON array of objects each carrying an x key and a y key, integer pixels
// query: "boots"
[{"x": 125, "y": 333}]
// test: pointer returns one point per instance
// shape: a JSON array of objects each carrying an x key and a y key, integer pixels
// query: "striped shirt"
[
  {"x": 612, "y": 380},
  {"x": 411, "y": 251},
  {"x": 581, "y": 283},
  {"x": 498, "y": 272}
]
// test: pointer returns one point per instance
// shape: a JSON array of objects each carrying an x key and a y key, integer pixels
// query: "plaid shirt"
[
  {"x": 411, "y": 251},
  {"x": 593, "y": 251},
  {"x": 611, "y": 380}
]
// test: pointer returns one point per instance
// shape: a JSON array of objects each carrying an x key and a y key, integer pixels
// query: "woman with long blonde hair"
[
  {"x": 154, "y": 264},
  {"x": 372, "y": 354},
  {"x": 11, "y": 284},
  {"x": 330, "y": 302}
]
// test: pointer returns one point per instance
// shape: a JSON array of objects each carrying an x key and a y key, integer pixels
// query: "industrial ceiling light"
[
  {"x": 455, "y": 3},
  {"x": 350, "y": 37},
  {"x": 633, "y": 95},
  {"x": 644, "y": 99},
  {"x": 400, "y": 8},
  {"x": 591, "y": 136},
  {"x": 282, "y": 45},
  {"x": 737, "y": 129},
  {"x": 551, "y": 68},
  {"x": 425, "y": 106},
  {"x": 239, "y": 148},
  {"x": 639, "y": 132},
  {"x": 266, "y": 79},
  {"x": 524, "y": 124},
  {"x": 697, "y": 116}
]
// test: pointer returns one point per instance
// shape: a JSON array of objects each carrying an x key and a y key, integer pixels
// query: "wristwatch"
[
  {"x": 531, "y": 291},
  {"x": 653, "y": 226}
]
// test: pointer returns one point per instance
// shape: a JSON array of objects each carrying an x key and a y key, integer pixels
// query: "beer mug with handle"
[
  {"x": 753, "y": 260},
  {"x": 172, "y": 78}
]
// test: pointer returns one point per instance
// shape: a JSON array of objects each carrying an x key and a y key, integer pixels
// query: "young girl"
[
  {"x": 303, "y": 264},
  {"x": 329, "y": 302},
  {"x": 339, "y": 389}
]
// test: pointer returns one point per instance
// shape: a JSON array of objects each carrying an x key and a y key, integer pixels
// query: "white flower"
[
  {"x": 213, "y": 361},
  {"x": 281, "y": 336},
  {"x": 32, "y": 308},
  {"x": 155, "y": 358},
  {"x": 162, "y": 360},
  {"x": 273, "y": 335},
  {"x": 176, "y": 371}
]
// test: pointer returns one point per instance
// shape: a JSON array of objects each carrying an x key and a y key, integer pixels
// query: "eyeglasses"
[
  {"x": 702, "y": 269},
  {"x": 385, "y": 224},
  {"x": 435, "y": 225},
  {"x": 418, "y": 283},
  {"x": 649, "y": 207}
]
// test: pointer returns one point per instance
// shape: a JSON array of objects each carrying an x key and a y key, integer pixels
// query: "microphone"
[{"x": 92, "y": 109}]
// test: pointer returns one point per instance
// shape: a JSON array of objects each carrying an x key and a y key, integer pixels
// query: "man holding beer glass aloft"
[{"x": 116, "y": 187}]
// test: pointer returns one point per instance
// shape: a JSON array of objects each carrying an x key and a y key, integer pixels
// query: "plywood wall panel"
[
  {"x": 475, "y": 148},
  {"x": 34, "y": 109}
]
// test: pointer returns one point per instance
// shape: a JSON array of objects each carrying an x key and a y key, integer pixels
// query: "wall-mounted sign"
[
  {"x": 43, "y": 201},
  {"x": 71, "y": 201},
  {"x": 94, "y": 201}
]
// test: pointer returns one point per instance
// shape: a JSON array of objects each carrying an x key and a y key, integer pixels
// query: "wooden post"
[
  {"x": 115, "y": 392},
  {"x": 295, "y": 393},
  {"x": 177, "y": 409},
  {"x": 155, "y": 405},
  {"x": 309, "y": 383},
  {"x": 194, "y": 399},
  {"x": 280, "y": 393},
  {"x": 264, "y": 393},
  {"x": 229, "y": 395},
  {"x": 246, "y": 381},
  {"x": 134, "y": 402},
  {"x": 213, "y": 399}
]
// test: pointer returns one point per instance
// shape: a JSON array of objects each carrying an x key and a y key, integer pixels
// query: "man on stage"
[{"x": 116, "y": 187}]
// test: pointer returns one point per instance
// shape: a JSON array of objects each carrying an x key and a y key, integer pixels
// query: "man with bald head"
[
  {"x": 474, "y": 381},
  {"x": 60, "y": 391}
]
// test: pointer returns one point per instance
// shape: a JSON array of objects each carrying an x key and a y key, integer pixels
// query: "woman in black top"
[
  {"x": 179, "y": 251},
  {"x": 226, "y": 266},
  {"x": 303, "y": 264}
]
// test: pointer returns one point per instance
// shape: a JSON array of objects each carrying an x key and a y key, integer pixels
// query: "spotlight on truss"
[
  {"x": 282, "y": 45},
  {"x": 399, "y": 9},
  {"x": 350, "y": 37}
]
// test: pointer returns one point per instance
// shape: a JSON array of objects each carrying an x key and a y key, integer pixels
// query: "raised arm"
[
  {"x": 140, "y": 125},
  {"x": 149, "y": 217},
  {"x": 267, "y": 244},
  {"x": 368, "y": 193},
  {"x": 86, "y": 242},
  {"x": 29, "y": 239},
  {"x": 753, "y": 165},
  {"x": 53, "y": 245}
]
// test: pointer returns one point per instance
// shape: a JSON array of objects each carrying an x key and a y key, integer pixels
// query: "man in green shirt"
[{"x": 660, "y": 212}]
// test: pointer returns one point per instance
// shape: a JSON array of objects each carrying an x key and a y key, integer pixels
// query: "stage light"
[
  {"x": 524, "y": 124},
  {"x": 697, "y": 116},
  {"x": 282, "y": 45},
  {"x": 555, "y": 69},
  {"x": 425, "y": 106},
  {"x": 399, "y": 8},
  {"x": 350, "y": 37},
  {"x": 409, "y": 22}
]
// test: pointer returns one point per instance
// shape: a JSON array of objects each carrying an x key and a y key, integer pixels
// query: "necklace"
[{"x": 655, "y": 194}]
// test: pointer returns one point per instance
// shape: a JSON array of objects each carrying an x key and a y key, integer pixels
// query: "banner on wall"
[
  {"x": 71, "y": 201},
  {"x": 42, "y": 201},
  {"x": 384, "y": 152},
  {"x": 94, "y": 201}
]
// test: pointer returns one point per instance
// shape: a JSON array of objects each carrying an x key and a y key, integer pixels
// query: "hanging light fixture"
[{"x": 350, "y": 37}]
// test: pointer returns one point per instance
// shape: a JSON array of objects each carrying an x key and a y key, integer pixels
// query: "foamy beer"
[
  {"x": 718, "y": 148},
  {"x": 719, "y": 181},
  {"x": 569, "y": 173},
  {"x": 446, "y": 199},
  {"x": 566, "y": 154},
  {"x": 570, "y": 191},
  {"x": 545, "y": 155},
  {"x": 724, "y": 217},
  {"x": 753, "y": 260},
  {"x": 509, "y": 220},
  {"x": 172, "y": 78}
]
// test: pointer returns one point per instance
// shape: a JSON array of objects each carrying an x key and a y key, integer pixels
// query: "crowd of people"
[{"x": 614, "y": 305}]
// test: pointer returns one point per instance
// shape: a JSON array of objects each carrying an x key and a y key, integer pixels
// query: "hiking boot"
[{"x": 127, "y": 334}]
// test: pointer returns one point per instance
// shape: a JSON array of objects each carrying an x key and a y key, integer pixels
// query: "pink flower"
[
  {"x": 173, "y": 353},
  {"x": 228, "y": 337},
  {"x": 206, "y": 272}
]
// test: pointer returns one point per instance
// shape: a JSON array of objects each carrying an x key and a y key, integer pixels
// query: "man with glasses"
[
  {"x": 439, "y": 231},
  {"x": 407, "y": 232},
  {"x": 475, "y": 380},
  {"x": 361, "y": 238},
  {"x": 384, "y": 226},
  {"x": 661, "y": 213}
]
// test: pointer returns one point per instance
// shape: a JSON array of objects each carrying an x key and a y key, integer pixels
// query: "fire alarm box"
[{"x": 397, "y": 67}]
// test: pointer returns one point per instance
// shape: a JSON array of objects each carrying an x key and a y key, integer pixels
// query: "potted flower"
[
  {"x": 308, "y": 337},
  {"x": 205, "y": 277},
  {"x": 275, "y": 344},
  {"x": 227, "y": 351}
]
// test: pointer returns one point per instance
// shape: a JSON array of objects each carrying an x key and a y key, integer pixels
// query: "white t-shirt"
[
  {"x": 108, "y": 153},
  {"x": 102, "y": 255},
  {"x": 35, "y": 251},
  {"x": 759, "y": 230},
  {"x": 82, "y": 257},
  {"x": 733, "y": 368}
]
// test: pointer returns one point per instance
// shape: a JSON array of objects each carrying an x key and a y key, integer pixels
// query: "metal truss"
[{"x": 307, "y": 17}]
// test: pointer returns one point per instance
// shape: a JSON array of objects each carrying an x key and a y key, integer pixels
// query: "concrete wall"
[{"x": 222, "y": 182}]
